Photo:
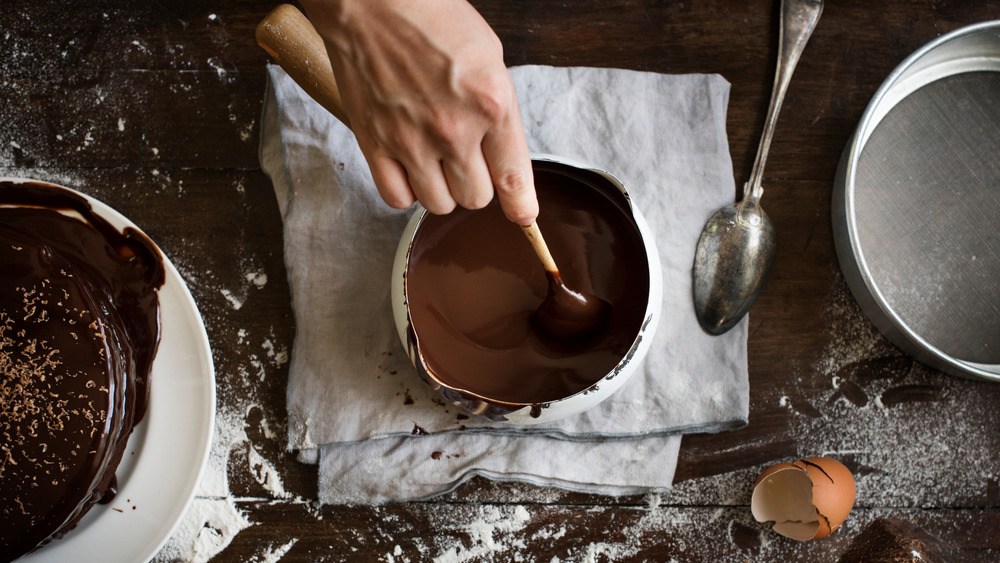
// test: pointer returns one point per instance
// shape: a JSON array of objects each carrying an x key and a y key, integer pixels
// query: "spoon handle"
[
  {"x": 541, "y": 249},
  {"x": 290, "y": 38},
  {"x": 798, "y": 20}
]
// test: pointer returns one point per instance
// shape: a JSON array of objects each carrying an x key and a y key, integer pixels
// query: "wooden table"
[{"x": 155, "y": 108}]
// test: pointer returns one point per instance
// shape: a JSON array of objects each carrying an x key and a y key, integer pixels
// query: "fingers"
[
  {"x": 459, "y": 156},
  {"x": 506, "y": 152},
  {"x": 454, "y": 174},
  {"x": 391, "y": 182},
  {"x": 502, "y": 163},
  {"x": 469, "y": 180},
  {"x": 431, "y": 103},
  {"x": 399, "y": 185},
  {"x": 439, "y": 187}
]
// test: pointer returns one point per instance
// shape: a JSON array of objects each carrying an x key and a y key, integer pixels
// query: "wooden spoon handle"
[
  {"x": 290, "y": 38},
  {"x": 534, "y": 235}
]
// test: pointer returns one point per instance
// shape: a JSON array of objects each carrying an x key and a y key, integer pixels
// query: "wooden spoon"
[{"x": 290, "y": 38}]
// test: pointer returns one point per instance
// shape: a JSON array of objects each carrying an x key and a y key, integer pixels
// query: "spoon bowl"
[
  {"x": 733, "y": 256},
  {"x": 566, "y": 315},
  {"x": 569, "y": 316}
]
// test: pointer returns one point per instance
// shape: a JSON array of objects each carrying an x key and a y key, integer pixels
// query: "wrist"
[
  {"x": 323, "y": 13},
  {"x": 344, "y": 13}
]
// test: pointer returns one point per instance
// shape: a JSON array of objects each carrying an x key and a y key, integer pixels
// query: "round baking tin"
[{"x": 916, "y": 204}]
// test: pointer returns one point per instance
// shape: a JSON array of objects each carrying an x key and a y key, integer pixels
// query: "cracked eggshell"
[{"x": 807, "y": 499}]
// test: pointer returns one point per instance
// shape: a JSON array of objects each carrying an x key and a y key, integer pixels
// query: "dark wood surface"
[{"x": 154, "y": 108}]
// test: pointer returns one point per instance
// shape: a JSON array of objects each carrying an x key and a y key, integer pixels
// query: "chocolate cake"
[{"x": 79, "y": 327}]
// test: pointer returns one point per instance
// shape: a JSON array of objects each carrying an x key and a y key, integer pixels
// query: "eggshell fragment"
[{"x": 807, "y": 499}]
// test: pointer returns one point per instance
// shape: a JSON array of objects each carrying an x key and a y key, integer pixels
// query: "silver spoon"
[{"x": 736, "y": 245}]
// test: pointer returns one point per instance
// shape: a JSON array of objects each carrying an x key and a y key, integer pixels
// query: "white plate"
[{"x": 168, "y": 449}]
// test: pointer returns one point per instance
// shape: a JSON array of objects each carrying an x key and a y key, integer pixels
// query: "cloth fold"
[{"x": 356, "y": 405}]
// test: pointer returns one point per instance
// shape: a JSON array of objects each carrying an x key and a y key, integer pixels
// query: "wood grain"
[{"x": 155, "y": 109}]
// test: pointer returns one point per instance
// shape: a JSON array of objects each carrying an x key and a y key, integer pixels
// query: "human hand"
[{"x": 430, "y": 102}]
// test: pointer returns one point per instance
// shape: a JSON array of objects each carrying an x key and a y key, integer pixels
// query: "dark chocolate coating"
[
  {"x": 79, "y": 328},
  {"x": 473, "y": 284}
]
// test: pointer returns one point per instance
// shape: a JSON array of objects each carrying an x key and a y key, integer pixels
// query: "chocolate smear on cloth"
[
  {"x": 354, "y": 398},
  {"x": 79, "y": 328}
]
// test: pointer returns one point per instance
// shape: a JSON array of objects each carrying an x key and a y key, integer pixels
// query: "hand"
[{"x": 430, "y": 102}]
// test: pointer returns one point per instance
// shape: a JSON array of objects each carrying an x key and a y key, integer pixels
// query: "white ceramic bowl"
[{"x": 534, "y": 413}]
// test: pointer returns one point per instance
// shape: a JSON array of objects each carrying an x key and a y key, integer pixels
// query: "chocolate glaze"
[
  {"x": 473, "y": 284},
  {"x": 79, "y": 328}
]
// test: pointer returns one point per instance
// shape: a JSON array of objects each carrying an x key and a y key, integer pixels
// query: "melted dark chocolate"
[
  {"x": 79, "y": 328},
  {"x": 473, "y": 283},
  {"x": 567, "y": 316}
]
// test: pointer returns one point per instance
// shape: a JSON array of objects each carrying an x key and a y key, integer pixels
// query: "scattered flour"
[
  {"x": 220, "y": 69},
  {"x": 904, "y": 434},
  {"x": 265, "y": 473},
  {"x": 277, "y": 356},
  {"x": 608, "y": 551},
  {"x": 213, "y": 520},
  {"x": 274, "y": 555},
  {"x": 207, "y": 528},
  {"x": 251, "y": 279},
  {"x": 257, "y": 279},
  {"x": 200, "y": 538},
  {"x": 491, "y": 534},
  {"x": 235, "y": 301}
]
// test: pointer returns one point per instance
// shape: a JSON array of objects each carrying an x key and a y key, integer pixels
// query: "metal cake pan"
[{"x": 916, "y": 204}]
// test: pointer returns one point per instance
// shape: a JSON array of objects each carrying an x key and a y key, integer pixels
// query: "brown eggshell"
[
  {"x": 828, "y": 497},
  {"x": 774, "y": 469},
  {"x": 783, "y": 495},
  {"x": 834, "y": 491}
]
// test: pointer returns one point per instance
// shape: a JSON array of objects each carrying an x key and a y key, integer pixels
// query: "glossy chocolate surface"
[
  {"x": 79, "y": 327},
  {"x": 473, "y": 284}
]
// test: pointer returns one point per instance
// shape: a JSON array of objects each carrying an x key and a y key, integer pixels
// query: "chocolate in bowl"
[{"x": 467, "y": 283}]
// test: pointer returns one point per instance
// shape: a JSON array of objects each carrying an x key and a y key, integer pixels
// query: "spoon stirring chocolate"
[
  {"x": 565, "y": 314},
  {"x": 288, "y": 36}
]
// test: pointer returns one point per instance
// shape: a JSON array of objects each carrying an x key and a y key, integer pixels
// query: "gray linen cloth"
[{"x": 355, "y": 403}]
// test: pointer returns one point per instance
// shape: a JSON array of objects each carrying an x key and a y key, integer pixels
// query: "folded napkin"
[{"x": 355, "y": 403}]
